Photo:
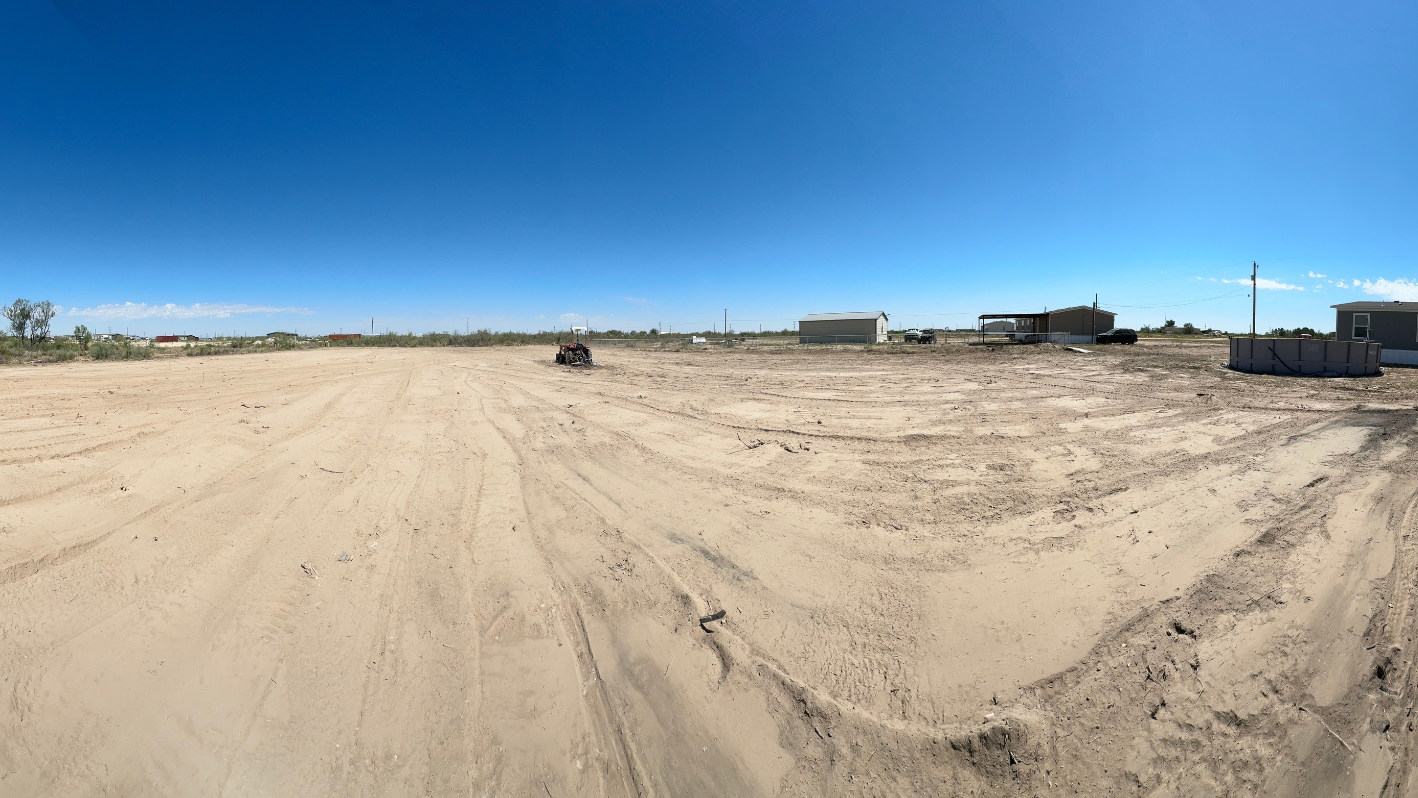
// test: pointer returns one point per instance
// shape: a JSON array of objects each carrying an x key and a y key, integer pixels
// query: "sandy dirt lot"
[{"x": 952, "y": 571}]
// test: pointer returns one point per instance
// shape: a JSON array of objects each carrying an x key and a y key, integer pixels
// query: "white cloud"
[
  {"x": 130, "y": 311},
  {"x": 581, "y": 320},
  {"x": 1402, "y": 289},
  {"x": 1267, "y": 284},
  {"x": 1318, "y": 276},
  {"x": 637, "y": 300}
]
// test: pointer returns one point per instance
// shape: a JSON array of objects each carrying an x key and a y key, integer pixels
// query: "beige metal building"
[
  {"x": 1075, "y": 321},
  {"x": 843, "y": 328}
]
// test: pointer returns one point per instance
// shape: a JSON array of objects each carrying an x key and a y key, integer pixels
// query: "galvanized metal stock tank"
[{"x": 1305, "y": 357}]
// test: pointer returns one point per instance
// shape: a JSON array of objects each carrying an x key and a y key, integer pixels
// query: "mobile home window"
[{"x": 1361, "y": 326}]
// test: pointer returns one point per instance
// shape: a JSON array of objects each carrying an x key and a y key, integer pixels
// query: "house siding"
[{"x": 1395, "y": 329}]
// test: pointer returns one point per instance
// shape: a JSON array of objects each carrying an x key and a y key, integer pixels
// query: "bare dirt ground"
[{"x": 470, "y": 572}]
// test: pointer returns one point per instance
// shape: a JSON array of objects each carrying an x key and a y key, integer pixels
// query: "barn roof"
[
  {"x": 1083, "y": 307},
  {"x": 871, "y": 316}
]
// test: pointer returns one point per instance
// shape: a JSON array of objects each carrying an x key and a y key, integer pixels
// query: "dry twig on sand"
[{"x": 1347, "y": 747}]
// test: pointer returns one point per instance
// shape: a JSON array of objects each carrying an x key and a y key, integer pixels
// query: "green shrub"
[
  {"x": 123, "y": 350},
  {"x": 476, "y": 338}
]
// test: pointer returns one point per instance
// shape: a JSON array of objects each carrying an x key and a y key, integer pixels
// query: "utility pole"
[
  {"x": 1094, "y": 322},
  {"x": 1253, "y": 298},
  {"x": 726, "y": 322},
  {"x": 371, "y": 325}
]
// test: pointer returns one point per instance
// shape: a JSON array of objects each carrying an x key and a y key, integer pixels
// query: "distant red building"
[{"x": 344, "y": 336}]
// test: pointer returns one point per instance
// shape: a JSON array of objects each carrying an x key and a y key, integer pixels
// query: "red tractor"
[{"x": 575, "y": 353}]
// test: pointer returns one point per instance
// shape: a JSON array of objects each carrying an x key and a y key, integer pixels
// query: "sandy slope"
[{"x": 954, "y": 571}]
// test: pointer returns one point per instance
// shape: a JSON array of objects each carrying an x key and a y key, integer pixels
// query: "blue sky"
[{"x": 210, "y": 167}]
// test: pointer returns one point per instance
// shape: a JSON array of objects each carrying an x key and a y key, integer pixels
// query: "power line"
[{"x": 1180, "y": 304}]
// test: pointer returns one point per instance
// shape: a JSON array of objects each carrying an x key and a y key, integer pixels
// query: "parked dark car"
[{"x": 1118, "y": 335}]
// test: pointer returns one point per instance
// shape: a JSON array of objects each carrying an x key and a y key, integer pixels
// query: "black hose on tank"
[{"x": 1282, "y": 362}]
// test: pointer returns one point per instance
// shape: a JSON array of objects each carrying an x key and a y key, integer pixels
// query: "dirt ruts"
[{"x": 942, "y": 571}]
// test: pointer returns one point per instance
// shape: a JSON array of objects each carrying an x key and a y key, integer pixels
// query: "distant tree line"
[
  {"x": 1171, "y": 328},
  {"x": 1296, "y": 332},
  {"x": 487, "y": 337}
]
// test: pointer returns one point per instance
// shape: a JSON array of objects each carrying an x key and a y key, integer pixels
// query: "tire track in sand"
[{"x": 512, "y": 571}]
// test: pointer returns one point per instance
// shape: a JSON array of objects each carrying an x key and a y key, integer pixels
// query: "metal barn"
[{"x": 843, "y": 328}]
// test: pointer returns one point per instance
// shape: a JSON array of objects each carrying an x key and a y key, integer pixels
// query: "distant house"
[
  {"x": 172, "y": 339},
  {"x": 843, "y": 328},
  {"x": 1393, "y": 324},
  {"x": 1075, "y": 325},
  {"x": 998, "y": 326}
]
